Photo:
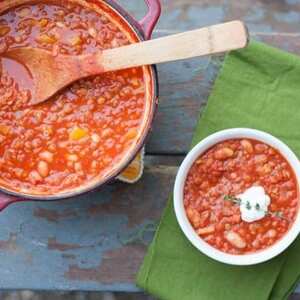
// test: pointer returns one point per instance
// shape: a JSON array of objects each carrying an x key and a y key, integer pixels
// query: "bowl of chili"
[
  {"x": 87, "y": 134},
  {"x": 236, "y": 196}
]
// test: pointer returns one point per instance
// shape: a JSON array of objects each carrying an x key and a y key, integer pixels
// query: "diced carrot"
[{"x": 78, "y": 133}]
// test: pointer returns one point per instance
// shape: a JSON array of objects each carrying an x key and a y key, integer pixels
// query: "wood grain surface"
[{"x": 97, "y": 242}]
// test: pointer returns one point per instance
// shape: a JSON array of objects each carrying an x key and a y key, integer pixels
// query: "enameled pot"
[
  {"x": 138, "y": 31},
  {"x": 214, "y": 253}
]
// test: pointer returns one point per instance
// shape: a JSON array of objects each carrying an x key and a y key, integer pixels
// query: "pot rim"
[{"x": 133, "y": 25}]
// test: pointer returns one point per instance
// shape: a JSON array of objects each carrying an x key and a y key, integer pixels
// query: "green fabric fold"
[{"x": 258, "y": 87}]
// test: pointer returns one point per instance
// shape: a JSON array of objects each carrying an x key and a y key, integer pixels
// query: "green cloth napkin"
[{"x": 258, "y": 87}]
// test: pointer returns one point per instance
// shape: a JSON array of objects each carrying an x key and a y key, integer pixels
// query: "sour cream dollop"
[{"x": 254, "y": 204}]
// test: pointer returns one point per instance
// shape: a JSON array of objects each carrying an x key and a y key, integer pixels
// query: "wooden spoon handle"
[{"x": 209, "y": 40}]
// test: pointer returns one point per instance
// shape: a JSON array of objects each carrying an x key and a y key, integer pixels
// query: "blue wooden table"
[{"x": 97, "y": 242}]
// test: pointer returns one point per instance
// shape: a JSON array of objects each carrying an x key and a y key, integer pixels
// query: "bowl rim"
[{"x": 186, "y": 227}]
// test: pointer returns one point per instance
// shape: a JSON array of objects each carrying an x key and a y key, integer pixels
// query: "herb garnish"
[
  {"x": 238, "y": 201},
  {"x": 248, "y": 206}
]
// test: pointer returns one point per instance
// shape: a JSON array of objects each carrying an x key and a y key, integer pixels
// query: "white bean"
[
  {"x": 47, "y": 156},
  {"x": 223, "y": 153},
  {"x": 247, "y": 146},
  {"x": 72, "y": 157},
  {"x": 206, "y": 230},
  {"x": 43, "y": 168},
  {"x": 34, "y": 177},
  {"x": 235, "y": 239},
  {"x": 95, "y": 138},
  {"x": 271, "y": 233},
  {"x": 93, "y": 32}
]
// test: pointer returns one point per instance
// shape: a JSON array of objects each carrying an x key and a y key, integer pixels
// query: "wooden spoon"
[{"x": 52, "y": 73}]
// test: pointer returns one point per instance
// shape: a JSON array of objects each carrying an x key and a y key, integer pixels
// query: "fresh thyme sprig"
[
  {"x": 238, "y": 201},
  {"x": 233, "y": 199}
]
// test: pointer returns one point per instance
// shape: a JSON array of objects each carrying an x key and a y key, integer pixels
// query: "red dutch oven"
[{"x": 138, "y": 31}]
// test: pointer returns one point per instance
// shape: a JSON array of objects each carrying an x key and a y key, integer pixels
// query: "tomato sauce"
[
  {"x": 228, "y": 169},
  {"x": 82, "y": 132}
]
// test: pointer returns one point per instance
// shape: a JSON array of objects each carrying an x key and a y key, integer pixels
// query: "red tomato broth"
[
  {"x": 230, "y": 168},
  {"x": 84, "y": 131}
]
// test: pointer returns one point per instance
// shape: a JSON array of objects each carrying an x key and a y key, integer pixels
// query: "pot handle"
[
  {"x": 148, "y": 23},
  {"x": 6, "y": 200}
]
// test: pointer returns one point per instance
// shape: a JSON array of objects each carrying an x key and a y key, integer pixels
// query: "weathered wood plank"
[
  {"x": 185, "y": 86},
  {"x": 94, "y": 242},
  {"x": 295, "y": 297}
]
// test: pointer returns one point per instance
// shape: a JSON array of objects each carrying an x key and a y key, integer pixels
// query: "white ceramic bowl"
[{"x": 245, "y": 259}]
